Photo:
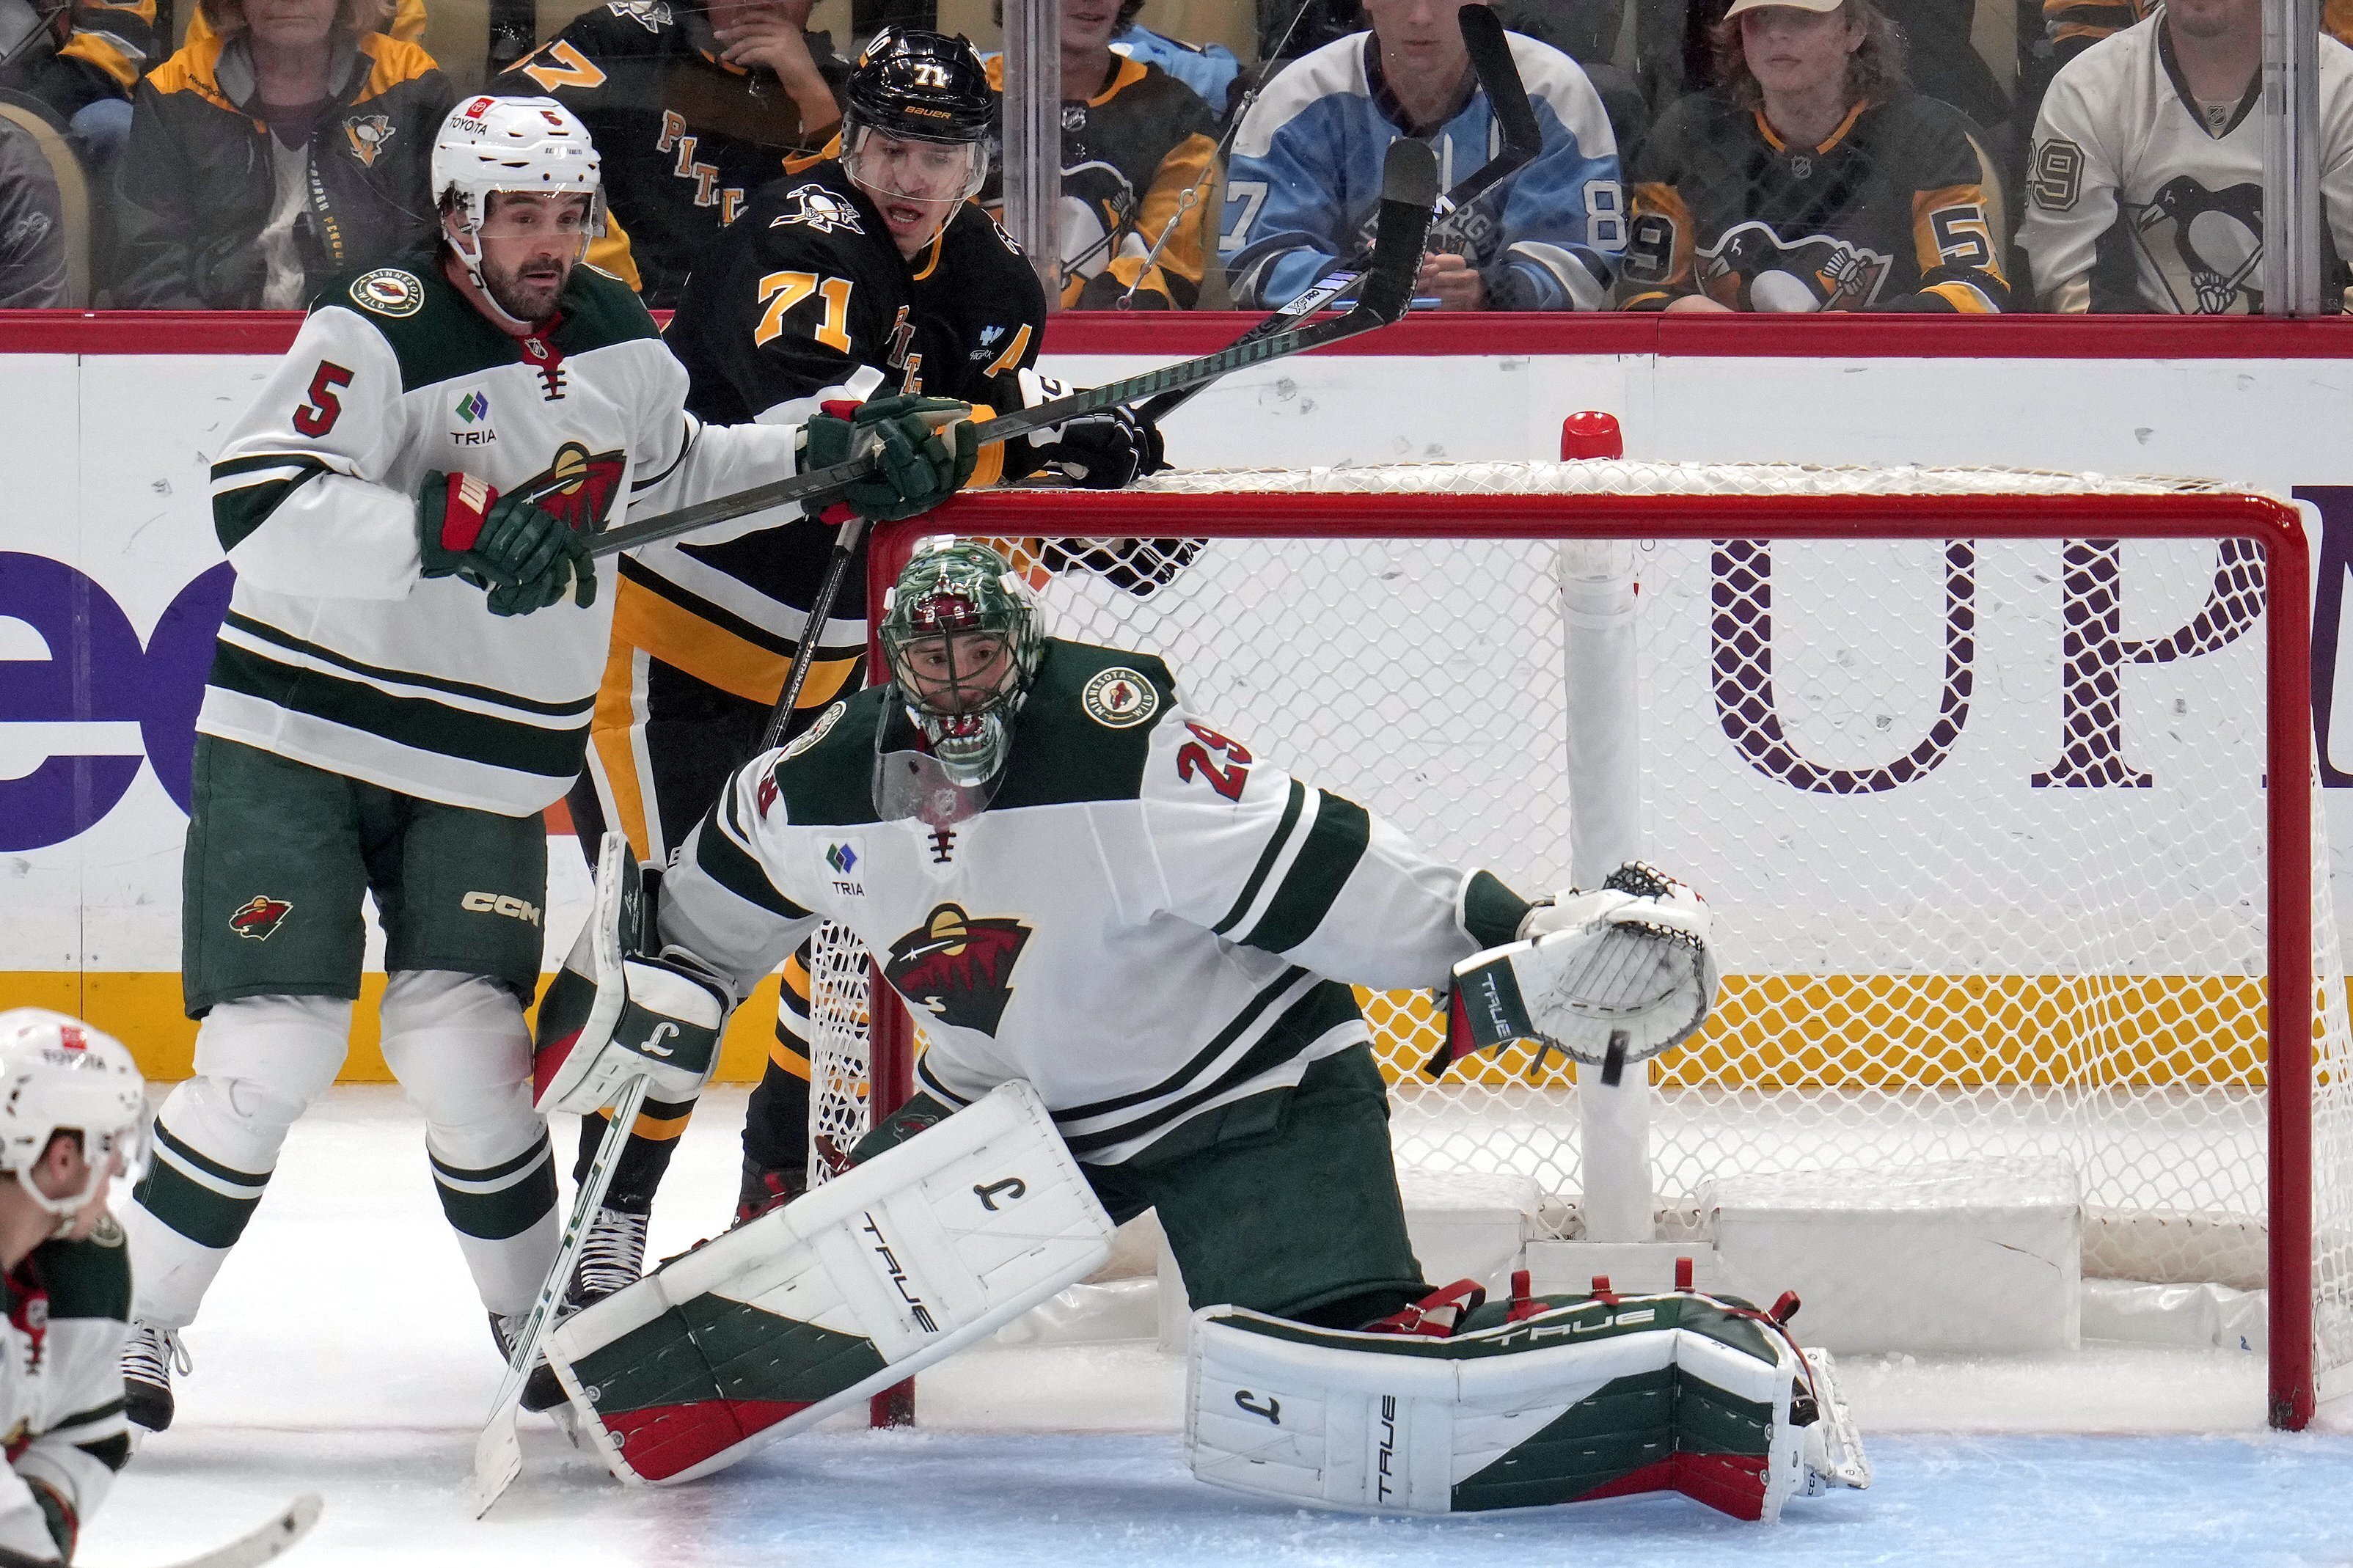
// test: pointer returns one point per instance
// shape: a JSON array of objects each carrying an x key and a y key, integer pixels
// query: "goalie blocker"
[
  {"x": 1544, "y": 1400},
  {"x": 891, "y": 1267}
]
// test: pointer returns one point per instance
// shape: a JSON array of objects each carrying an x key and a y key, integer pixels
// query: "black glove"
[
  {"x": 1106, "y": 450},
  {"x": 923, "y": 463},
  {"x": 1138, "y": 566},
  {"x": 527, "y": 557}
]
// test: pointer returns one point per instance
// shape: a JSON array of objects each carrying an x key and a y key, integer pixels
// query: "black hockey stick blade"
[
  {"x": 1523, "y": 139},
  {"x": 1409, "y": 185}
]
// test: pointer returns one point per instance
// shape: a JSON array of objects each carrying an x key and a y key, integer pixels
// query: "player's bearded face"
[
  {"x": 957, "y": 673},
  {"x": 530, "y": 243},
  {"x": 917, "y": 185}
]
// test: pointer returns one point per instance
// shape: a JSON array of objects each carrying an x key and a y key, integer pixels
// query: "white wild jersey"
[
  {"x": 2122, "y": 145},
  {"x": 335, "y": 651},
  {"x": 61, "y": 1386},
  {"x": 1149, "y": 922}
]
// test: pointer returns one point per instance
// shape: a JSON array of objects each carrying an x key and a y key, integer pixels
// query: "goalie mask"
[
  {"x": 60, "y": 1075},
  {"x": 960, "y": 633}
]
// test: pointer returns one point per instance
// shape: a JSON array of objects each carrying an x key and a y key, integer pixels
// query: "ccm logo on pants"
[{"x": 500, "y": 904}]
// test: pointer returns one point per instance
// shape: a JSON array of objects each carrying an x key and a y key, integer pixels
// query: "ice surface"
[{"x": 341, "y": 1351}]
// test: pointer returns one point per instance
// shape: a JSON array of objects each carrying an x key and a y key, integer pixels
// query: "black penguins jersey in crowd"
[
  {"x": 1889, "y": 213},
  {"x": 806, "y": 297},
  {"x": 2139, "y": 197},
  {"x": 685, "y": 138},
  {"x": 1130, "y": 153}
]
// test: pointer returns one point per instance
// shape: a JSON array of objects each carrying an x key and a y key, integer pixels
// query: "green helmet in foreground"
[{"x": 961, "y": 635}]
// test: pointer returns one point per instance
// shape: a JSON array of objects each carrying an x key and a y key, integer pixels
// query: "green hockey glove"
[{"x": 923, "y": 459}]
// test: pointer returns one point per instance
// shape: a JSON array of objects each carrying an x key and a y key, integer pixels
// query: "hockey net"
[{"x": 1972, "y": 766}]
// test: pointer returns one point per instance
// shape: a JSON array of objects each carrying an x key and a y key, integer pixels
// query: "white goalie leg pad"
[
  {"x": 1612, "y": 976},
  {"x": 1834, "y": 1456},
  {"x": 885, "y": 1270},
  {"x": 1596, "y": 1398},
  {"x": 614, "y": 1014}
]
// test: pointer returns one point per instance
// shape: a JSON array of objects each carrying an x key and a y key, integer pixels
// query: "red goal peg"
[{"x": 1590, "y": 434}]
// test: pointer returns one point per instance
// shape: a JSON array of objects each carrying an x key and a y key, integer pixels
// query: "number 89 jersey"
[{"x": 1150, "y": 921}]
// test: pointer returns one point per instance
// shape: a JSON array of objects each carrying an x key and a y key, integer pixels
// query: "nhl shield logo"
[
  {"x": 1119, "y": 699},
  {"x": 260, "y": 917},
  {"x": 819, "y": 209},
  {"x": 367, "y": 133},
  {"x": 957, "y": 967}
]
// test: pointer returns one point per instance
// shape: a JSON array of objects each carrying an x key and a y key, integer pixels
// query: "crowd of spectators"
[{"x": 1965, "y": 156}]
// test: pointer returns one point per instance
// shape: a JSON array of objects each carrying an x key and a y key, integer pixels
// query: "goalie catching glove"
[
  {"x": 1612, "y": 976},
  {"x": 1547, "y": 1399},
  {"x": 614, "y": 1012}
]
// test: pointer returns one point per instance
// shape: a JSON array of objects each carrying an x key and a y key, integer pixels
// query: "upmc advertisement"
[{"x": 112, "y": 582}]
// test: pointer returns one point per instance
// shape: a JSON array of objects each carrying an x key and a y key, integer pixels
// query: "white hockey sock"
[
  {"x": 460, "y": 1048},
  {"x": 260, "y": 1061}
]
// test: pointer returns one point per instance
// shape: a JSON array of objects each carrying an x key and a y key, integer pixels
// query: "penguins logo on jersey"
[
  {"x": 367, "y": 134},
  {"x": 959, "y": 966},
  {"x": 585, "y": 484},
  {"x": 2217, "y": 244},
  {"x": 819, "y": 209},
  {"x": 1760, "y": 271}
]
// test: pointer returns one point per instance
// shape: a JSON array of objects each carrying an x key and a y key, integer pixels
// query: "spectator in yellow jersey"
[
  {"x": 1137, "y": 150},
  {"x": 80, "y": 61},
  {"x": 291, "y": 146},
  {"x": 1814, "y": 179}
]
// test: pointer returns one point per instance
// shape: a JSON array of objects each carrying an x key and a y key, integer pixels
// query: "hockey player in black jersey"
[{"x": 868, "y": 273}]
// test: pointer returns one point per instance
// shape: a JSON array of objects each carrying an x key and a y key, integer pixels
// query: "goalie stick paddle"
[
  {"x": 1507, "y": 97},
  {"x": 497, "y": 1452},
  {"x": 250, "y": 1550},
  {"x": 1409, "y": 185}
]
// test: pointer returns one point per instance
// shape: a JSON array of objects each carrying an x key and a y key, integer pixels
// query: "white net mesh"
[{"x": 1982, "y": 824}]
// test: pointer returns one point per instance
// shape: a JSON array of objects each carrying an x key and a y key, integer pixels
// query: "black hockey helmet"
[{"x": 923, "y": 86}]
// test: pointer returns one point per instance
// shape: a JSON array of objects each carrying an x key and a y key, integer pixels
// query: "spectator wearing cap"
[
  {"x": 294, "y": 144},
  {"x": 1812, "y": 178}
]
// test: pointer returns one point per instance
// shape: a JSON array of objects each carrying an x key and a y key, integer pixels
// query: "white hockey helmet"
[
  {"x": 528, "y": 145},
  {"x": 59, "y": 1074}
]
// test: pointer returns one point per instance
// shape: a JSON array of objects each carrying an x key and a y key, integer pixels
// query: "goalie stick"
[
  {"x": 250, "y": 1550},
  {"x": 497, "y": 1452},
  {"x": 1507, "y": 97},
  {"x": 1409, "y": 185}
]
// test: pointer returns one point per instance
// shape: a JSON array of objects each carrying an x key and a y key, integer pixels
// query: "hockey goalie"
[{"x": 1131, "y": 940}]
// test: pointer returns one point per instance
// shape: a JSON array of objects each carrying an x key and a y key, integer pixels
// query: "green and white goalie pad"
[
  {"x": 883, "y": 1271},
  {"x": 1580, "y": 1398}
]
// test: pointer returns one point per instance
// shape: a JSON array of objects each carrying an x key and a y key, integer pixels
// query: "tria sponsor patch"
[
  {"x": 1119, "y": 699},
  {"x": 260, "y": 916}
]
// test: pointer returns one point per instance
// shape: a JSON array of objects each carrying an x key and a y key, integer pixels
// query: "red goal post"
[{"x": 2260, "y": 1037}]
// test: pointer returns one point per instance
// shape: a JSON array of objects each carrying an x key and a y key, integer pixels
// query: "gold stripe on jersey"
[
  {"x": 643, "y": 618},
  {"x": 617, "y": 753}
]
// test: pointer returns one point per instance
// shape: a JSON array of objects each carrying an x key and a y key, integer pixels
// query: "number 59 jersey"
[{"x": 1149, "y": 922}]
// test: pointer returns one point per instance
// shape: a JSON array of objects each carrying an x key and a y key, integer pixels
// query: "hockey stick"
[
  {"x": 1409, "y": 185},
  {"x": 1507, "y": 98},
  {"x": 250, "y": 1550},
  {"x": 820, "y": 617},
  {"x": 498, "y": 1453}
]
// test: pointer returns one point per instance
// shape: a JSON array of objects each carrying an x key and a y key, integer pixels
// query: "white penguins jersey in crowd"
[
  {"x": 1150, "y": 921},
  {"x": 2122, "y": 145},
  {"x": 335, "y": 651},
  {"x": 1305, "y": 181}
]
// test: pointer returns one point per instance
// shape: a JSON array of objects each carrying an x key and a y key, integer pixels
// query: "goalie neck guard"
[{"x": 960, "y": 633}]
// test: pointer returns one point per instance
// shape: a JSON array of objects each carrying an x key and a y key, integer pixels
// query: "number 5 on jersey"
[{"x": 780, "y": 291}]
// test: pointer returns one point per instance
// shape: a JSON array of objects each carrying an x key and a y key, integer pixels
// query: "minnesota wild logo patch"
[
  {"x": 1119, "y": 699},
  {"x": 389, "y": 291},
  {"x": 260, "y": 917}
]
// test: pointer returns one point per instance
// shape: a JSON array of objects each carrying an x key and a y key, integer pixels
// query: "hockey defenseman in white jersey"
[
  {"x": 1130, "y": 937},
  {"x": 2145, "y": 191},
  {"x": 403, "y": 682},
  {"x": 70, "y": 1107}
]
